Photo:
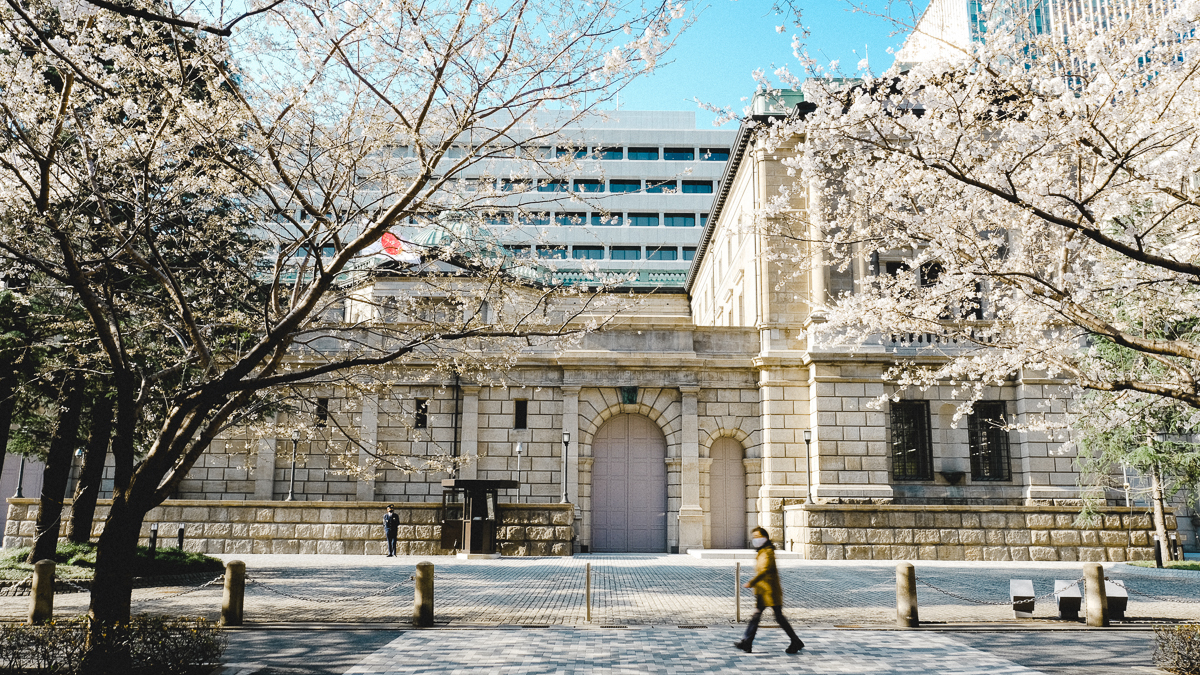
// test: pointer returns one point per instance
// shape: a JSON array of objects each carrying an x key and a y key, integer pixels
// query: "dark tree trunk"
[
  {"x": 112, "y": 586},
  {"x": 7, "y": 389},
  {"x": 58, "y": 468},
  {"x": 83, "y": 506},
  {"x": 112, "y": 591}
]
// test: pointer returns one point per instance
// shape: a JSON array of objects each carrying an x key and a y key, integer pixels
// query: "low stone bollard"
[
  {"x": 906, "y": 596},
  {"x": 41, "y": 595},
  {"x": 737, "y": 592},
  {"x": 423, "y": 595},
  {"x": 587, "y": 591},
  {"x": 1097, "y": 599},
  {"x": 233, "y": 601}
]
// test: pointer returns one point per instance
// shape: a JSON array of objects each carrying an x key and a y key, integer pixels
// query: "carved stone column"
[{"x": 691, "y": 514}]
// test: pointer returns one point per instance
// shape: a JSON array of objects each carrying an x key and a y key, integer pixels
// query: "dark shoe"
[
  {"x": 796, "y": 646},
  {"x": 742, "y": 645}
]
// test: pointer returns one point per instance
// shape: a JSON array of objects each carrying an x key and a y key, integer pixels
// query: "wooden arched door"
[
  {"x": 629, "y": 486},
  {"x": 727, "y": 495}
]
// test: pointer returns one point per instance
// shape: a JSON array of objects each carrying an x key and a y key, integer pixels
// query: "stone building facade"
[{"x": 707, "y": 411}]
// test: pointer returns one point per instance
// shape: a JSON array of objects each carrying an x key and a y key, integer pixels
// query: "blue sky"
[{"x": 714, "y": 58}]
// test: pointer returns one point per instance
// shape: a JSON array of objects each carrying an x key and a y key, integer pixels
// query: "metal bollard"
[
  {"x": 587, "y": 590},
  {"x": 1097, "y": 598},
  {"x": 234, "y": 601},
  {"x": 180, "y": 545},
  {"x": 737, "y": 592},
  {"x": 423, "y": 595},
  {"x": 906, "y": 596},
  {"x": 153, "y": 538},
  {"x": 41, "y": 596}
]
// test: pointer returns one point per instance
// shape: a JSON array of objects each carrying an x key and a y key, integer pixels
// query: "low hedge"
[
  {"x": 78, "y": 561},
  {"x": 156, "y": 646},
  {"x": 1178, "y": 649}
]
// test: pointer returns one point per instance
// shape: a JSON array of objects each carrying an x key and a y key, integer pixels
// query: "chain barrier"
[
  {"x": 1163, "y": 598},
  {"x": 977, "y": 601},
  {"x": 219, "y": 580},
  {"x": 271, "y": 589},
  {"x": 12, "y": 590}
]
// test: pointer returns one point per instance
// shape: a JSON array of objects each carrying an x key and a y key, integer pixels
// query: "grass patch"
[
  {"x": 78, "y": 561},
  {"x": 1171, "y": 564}
]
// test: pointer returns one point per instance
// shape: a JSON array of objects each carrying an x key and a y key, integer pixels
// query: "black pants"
[
  {"x": 391, "y": 539},
  {"x": 752, "y": 626}
]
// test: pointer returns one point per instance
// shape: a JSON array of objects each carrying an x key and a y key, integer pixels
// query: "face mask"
[{"x": 758, "y": 541}]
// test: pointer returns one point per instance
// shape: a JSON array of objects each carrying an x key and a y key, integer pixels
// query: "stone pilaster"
[
  {"x": 264, "y": 469},
  {"x": 368, "y": 436},
  {"x": 570, "y": 460},
  {"x": 691, "y": 514},
  {"x": 470, "y": 432}
]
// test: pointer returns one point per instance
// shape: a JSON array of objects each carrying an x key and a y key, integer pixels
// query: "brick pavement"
[
  {"x": 675, "y": 651},
  {"x": 627, "y": 590}
]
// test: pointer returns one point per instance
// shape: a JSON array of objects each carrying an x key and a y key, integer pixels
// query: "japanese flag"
[{"x": 395, "y": 248}]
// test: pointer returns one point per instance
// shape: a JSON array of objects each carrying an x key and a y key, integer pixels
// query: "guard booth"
[{"x": 471, "y": 515}]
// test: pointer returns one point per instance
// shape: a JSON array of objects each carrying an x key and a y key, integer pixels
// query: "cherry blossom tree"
[
  {"x": 1040, "y": 199},
  {"x": 215, "y": 192}
]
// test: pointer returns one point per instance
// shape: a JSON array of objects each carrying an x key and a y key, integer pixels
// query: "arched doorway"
[
  {"x": 629, "y": 486},
  {"x": 727, "y": 495}
]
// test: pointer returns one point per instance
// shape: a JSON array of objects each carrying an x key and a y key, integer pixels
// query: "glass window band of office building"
[
  {"x": 580, "y": 218},
  {"x": 988, "y": 440},
  {"x": 600, "y": 152},
  {"x": 664, "y": 253},
  {"x": 911, "y": 442}
]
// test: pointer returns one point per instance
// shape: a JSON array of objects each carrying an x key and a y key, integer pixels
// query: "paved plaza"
[
  {"x": 313, "y": 615},
  {"x": 652, "y": 650},
  {"x": 632, "y": 590}
]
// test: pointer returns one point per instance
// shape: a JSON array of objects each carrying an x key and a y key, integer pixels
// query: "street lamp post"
[
  {"x": 292, "y": 479},
  {"x": 566, "y": 444},
  {"x": 519, "y": 448},
  {"x": 807, "y": 467},
  {"x": 20, "y": 479}
]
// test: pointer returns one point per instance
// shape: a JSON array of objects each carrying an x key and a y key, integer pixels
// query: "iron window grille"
[
  {"x": 521, "y": 414},
  {"x": 988, "y": 441},
  {"x": 912, "y": 447}
]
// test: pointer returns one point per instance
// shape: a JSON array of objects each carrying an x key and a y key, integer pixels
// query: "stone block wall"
[
  {"x": 350, "y": 528},
  {"x": 902, "y": 532}
]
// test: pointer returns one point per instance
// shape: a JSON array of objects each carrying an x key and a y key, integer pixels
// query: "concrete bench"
[
  {"x": 1069, "y": 598},
  {"x": 1118, "y": 598},
  {"x": 1022, "y": 595}
]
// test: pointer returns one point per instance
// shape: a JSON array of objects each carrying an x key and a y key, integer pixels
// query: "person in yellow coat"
[{"x": 768, "y": 592}]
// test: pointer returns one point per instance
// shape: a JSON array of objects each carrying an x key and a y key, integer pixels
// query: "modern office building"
[{"x": 633, "y": 200}]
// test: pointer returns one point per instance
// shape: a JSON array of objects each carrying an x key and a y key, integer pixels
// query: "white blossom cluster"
[{"x": 1042, "y": 194}]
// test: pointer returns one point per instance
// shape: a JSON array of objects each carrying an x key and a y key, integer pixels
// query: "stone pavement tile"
[
  {"x": 676, "y": 651},
  {"x": 627, "y": 590}
]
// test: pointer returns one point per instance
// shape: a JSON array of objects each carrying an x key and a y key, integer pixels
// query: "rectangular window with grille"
[
  {"x": 521, "y": 414},
  {"x": 912, "y": 447},
  {"x": 988, "y": 441}
]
